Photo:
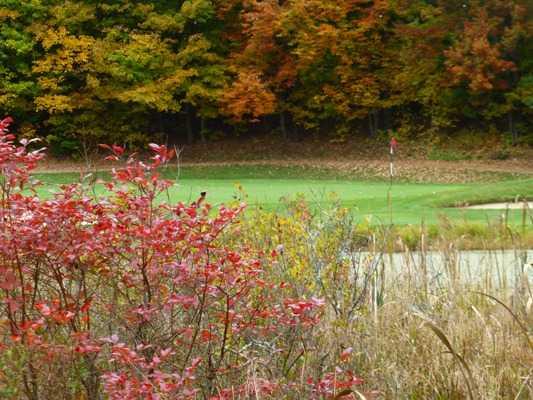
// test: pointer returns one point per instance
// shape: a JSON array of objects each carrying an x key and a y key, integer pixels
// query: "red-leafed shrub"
[{"x": 127, "y": 297}]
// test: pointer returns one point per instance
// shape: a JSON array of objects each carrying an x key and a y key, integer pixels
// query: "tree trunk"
[
  {"x": 202, "y": 129},
  {"x": 161, "y": 128},
  {"x": 510, "y": 114},
  {"x": 372, "y": 123},
  {"x": 190, "y": 133},
  {"x": 387, "y": 119},
  {"x": 283, "y": 125},
  {"x": 512, "y": 127}
]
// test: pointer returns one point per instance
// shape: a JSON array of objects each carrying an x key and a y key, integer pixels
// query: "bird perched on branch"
[{"x": 199, "y": 201}]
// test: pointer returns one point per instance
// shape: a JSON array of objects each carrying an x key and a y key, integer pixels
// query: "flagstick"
[{"x": 391, "y": 173}]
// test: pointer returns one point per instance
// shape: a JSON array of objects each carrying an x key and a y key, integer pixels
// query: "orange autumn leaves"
[
  {"x": 319, "y": 64},
  {"x": 475, "y": 60}
]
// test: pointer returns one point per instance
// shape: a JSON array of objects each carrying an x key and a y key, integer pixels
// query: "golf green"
[{"x": 410, "y": 203}]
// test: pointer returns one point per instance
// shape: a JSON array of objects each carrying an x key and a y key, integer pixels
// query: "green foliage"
[
  {"x": 338, "y": 67},
  {"x": 18, "y": 86},
  {"x": 448, "y": 155},
  {"x": 62, "y": 146}
]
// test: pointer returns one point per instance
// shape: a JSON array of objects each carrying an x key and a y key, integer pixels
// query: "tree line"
[{"x": 127, "y": 71}]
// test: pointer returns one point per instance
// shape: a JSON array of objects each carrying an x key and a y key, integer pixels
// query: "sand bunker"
[{"x": 502, "y": 206}]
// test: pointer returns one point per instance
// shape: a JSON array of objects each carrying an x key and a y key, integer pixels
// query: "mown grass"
[{"x": 268, "y": 187}]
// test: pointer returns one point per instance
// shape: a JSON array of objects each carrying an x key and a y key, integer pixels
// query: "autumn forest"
[
  {"x": 266, "y": 199},
  {"x": 129, "y": 71}
]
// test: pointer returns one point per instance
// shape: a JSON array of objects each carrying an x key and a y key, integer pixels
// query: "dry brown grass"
[
  {"x": 449, "y": 341},
  {"x": 418, "y": 330},
  {"x": 406, "y": 170},
  {"x": 455, "y": 344}
]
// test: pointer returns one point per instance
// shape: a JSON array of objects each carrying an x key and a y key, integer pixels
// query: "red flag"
[{"x": 393, "y": 143}]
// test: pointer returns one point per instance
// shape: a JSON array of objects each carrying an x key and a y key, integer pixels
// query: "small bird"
[{"x": 198, "y": 202}]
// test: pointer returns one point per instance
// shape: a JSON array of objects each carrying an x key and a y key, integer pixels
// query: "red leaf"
[
  {"x": 8, "y": 281},
  {"x": 44, "y": 309}
]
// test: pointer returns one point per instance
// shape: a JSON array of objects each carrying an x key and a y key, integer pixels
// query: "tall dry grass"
[{"x": 423, "y": 325}]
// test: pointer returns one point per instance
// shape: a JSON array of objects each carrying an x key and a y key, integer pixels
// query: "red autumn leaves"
[{"x": 141, "y": 295}]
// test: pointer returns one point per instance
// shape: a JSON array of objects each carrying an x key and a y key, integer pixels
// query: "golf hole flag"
[{"x": 393, "y": 146}]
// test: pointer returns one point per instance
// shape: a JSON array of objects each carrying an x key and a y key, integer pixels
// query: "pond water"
[
  {"x": 494, "y": 269},
  {"x": 503, "y": 206}
]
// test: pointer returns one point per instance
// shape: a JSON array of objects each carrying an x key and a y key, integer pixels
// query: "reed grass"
[{"x": 422, "y": 322}]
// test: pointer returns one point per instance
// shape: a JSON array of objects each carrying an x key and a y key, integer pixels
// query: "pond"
[{"x": 486, "y": 269}]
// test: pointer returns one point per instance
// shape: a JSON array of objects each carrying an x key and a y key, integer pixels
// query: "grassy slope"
[{"x": 265, "y": 186}]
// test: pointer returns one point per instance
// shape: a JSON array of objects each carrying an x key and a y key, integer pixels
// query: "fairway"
[
  {"x": 411, "y": 203},
  {"x": 268, "y": 188}
]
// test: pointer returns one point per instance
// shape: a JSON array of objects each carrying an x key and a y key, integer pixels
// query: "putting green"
[{"x": 411, "y": 202}]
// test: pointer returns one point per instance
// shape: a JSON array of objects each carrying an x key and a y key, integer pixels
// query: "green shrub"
[
  {"x": 448, "y": 155},
  {"x": 61, "y": 146}
]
